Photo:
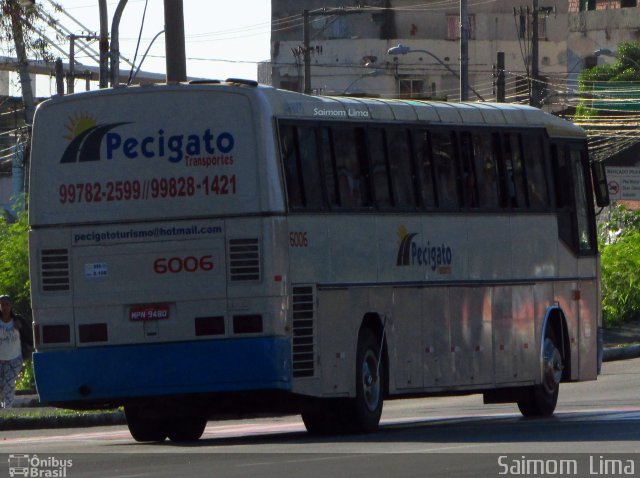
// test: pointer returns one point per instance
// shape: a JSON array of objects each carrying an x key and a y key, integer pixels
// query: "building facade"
[{"x": 349, "y": 45}]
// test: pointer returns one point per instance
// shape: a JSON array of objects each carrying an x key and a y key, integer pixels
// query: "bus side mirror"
[{"x": 600, "y": 186}]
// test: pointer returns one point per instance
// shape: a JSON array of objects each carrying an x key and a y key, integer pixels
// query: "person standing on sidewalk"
[{"x": 12, "y": 334}]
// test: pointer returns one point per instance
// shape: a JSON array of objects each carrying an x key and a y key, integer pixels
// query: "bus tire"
[
  {"x": 540, "y": 400},
  {"x": 325, "y": 418},
  {"x": 185, "y": 429},
  {"x": 366, "y": 408},
  {"x": 145, "y": 425}
]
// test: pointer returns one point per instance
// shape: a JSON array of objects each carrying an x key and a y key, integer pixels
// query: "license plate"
[{"x": 149, "y": 312}]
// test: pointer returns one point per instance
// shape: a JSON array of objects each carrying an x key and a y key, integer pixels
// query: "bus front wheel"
[{"x": 540, "y": 400}]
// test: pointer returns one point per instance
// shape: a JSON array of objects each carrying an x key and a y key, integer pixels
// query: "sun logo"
[
  {"x": 78, "y": 124},
  {"x": 402, "y": 233}
]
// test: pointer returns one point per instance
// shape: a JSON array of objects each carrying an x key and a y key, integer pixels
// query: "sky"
[{"x": 222, "y": 39}]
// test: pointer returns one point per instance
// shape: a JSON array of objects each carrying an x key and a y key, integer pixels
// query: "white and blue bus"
[{"x": 227, "y": 247}]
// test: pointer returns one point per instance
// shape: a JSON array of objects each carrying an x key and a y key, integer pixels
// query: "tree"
[
  {"x": 626, "y": 68},
  {"x": 19, "y": 27},
  {"x": 620, "y": 263},
  {"x": 14, "y": 261}
]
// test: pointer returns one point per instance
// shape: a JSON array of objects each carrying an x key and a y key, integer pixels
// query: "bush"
[
  {"x": 26, "y": 381},
  {"x": 14, "y": 262},
  {"x": 621, "y": 279}
]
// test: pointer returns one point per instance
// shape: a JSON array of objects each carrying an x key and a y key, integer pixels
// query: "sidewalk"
[{"x": 621, "y": 343}]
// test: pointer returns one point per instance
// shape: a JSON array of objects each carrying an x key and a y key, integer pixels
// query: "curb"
[{"x": 621, "y": 353}]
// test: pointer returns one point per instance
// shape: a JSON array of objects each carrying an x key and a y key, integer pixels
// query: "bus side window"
[
  {"x": 563, "y": 186},
  {"x": 468, "y": 178},
  {"x": 310, "y": 167},
  {"x": 445, "y": 169},
  {"x": 329, "y": 167},
  {"x": 425, "y": 168},
  {"x": 291, "y": 162},
  {"x": 379, "y": 168},
  {"x": 535, "y": 170},
  {"x": 586, "y": 233},
  {"x": 486, "y": 170},
  {"x": 513, "y": 171},
  {"x": 353, "y": 180},
  {"x": 402, "y": 177},
  {"x": 299, "y": 151}
]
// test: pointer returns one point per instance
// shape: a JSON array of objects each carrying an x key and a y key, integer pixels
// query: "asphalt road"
[{"x": 454, "y": 436}]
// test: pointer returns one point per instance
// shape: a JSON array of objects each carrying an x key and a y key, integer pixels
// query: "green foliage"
[
  {"x": 621, "y": 280},
  {"x": 26, "y": 381},
  {"x": 622, "y": 221},
  {"x": 626, "y": 68},
  {"x": 620, "y": 265},
  {"x": 14, "y": 262}
]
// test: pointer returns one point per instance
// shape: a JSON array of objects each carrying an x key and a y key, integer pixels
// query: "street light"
[
  {"x": 404, "y": 49},
  {"x": 368, "y": 74}
]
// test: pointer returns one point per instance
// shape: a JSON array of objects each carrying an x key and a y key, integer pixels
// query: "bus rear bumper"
[{"x": 115, "y": 374}]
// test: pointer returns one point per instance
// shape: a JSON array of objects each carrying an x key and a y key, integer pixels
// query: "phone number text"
[{"x": 156, "y": 188}]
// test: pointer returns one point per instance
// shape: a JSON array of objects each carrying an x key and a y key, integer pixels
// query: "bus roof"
[
  {"x": 286, "y": 103},
  {"x": 297, "y": 105}
]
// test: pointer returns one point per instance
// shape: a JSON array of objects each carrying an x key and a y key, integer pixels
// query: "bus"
[{"x": 227, "y": 247}]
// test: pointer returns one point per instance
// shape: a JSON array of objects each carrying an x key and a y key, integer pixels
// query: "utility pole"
[
  {"x": 115, "y": 43},
  {"x": 104, "y": 44},
  {"x": 306, "y": 47},
  {"x": 174, "y": 41},
  {"x": 464, "y": 51},
  {"x": 500, "y": 79},
  {"x": 534, "y": 99},
  {"x": 71, "y": 76},
  {"x": 306, "y": 52},
  {"x": 59, "y": 77},
  {"x": 23, "y": 63}
]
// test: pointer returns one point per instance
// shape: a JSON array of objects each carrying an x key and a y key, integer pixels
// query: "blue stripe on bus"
[{"x": 129, "y": 371}]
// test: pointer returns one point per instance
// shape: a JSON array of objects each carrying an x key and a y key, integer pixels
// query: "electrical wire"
[{"x": 135, "y": 55}]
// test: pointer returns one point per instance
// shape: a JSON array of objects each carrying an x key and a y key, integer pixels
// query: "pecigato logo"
[
  {"x": 412, "y": 253},
  {"x": 86, "y": 137}
]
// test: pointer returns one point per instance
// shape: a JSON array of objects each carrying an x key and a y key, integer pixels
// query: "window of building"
[
  {"x": 453, "y": 26},
  {"x": 525, "y": 26},
  {"x": 411, "y": 88}
]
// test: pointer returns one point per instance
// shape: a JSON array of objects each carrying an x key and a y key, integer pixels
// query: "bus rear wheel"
[
  {"x": 366, "y": 408},
  {"x": 186, "y": 428},
  {"x": 145, "y": 425},
  {"x": 540, "y": 400},
  {"x": 354, "y": 415}
]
